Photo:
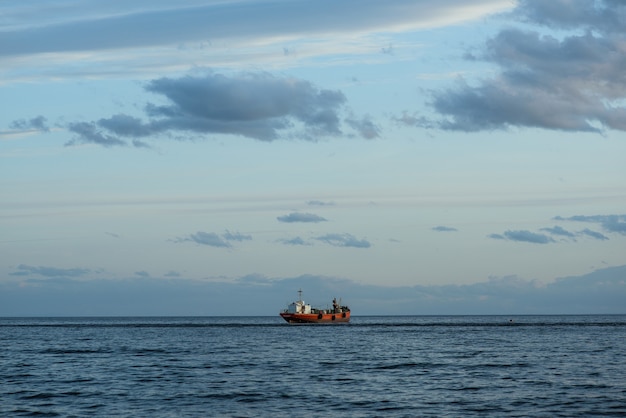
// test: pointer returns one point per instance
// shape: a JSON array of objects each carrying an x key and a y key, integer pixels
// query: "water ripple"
[{"x": 376, "y": 366}]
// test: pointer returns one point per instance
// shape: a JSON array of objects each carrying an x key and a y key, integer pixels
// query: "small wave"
[
  {"x": 73, "y": 351},
  {"x": 40, "y": 395},
  {"x": 408, "y": 365},
  {"x": 36, "y": 413}
]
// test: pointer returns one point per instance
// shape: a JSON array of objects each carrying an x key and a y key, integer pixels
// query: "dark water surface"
[{"x": 540, "y": 366}]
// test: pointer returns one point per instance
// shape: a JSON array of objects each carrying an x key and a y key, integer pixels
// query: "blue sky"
[{"x": 464, "y": 150}]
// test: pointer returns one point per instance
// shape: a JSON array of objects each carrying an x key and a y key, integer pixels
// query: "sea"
[{"x": 387, "y": 366}]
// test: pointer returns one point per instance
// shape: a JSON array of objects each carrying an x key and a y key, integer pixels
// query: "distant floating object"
[{"x": 299, "y": 312}]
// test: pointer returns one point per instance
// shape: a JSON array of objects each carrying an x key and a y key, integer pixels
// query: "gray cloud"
[
  {"x": 496, "y": 236},
  {"x": 605, "y": 15},
  {"x": 114, "y": 27},
  {"x": 557, "y": 230},
  {"x": 594, "y": 234},
  {"x": 301, "y": 217},
  {"x": 208, "y": 238},
  {"x": 442, "y": 228},
  {"x": 255, "y": 105},
  {"x": 236, "y": 236},
  {"x": 319, "y": 203},
  {"x": 294, "y": 241},
  {"x": 25, "y": 270},
  {"x": 599, "y": 292},
  {"x": 344, "y": 240},
  {"x": 365, "y": 127},
  {"x": 88, "y": 132},
  {"x": 523, "y": 236},
  {"x": 38, "y": 123},
  {"x": 610, "y": 223},
  {"x": 573, "y": 83},
  {"x": 213, "y": 239},
  {"x": 125, "y": 125}
]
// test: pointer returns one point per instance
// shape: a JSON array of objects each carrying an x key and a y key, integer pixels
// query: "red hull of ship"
[{"x": 328, "y": 318}]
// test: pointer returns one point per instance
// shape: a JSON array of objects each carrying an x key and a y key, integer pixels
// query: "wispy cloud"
[
  {"x": 594, "y": 234},
  {"x": 294, "y": 241},
  {"x": 301, "y": 217},
  {"x": 441, "y": 228},
  {"x": 344, "y": 240},
  {"x": 88, "y": 132},
  {"x": 46, "y": 271},
  {"x": 523, "y": 236},
  {"x": 162, "y": 33},
  {"x": 236, "y": 236},
  {"x": 558, "y": 230},
  {"x": 365, "y": 126},
  {"x": 601, "y": 291},
  {"x": 610, "y": 223},
  {"x": 254, "y": 105},
  {"x": 319, "y": 203},
  {"x": 38, "y": 123},
  {"x": 213, "y": 239},
  {"x": 25, "y": 127},
  {"x": 572, "y": 83}
]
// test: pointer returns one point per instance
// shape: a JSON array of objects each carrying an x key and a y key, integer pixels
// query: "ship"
[{"x": 299, "y": 312}]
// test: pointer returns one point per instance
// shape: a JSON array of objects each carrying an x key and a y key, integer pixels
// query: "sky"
[{"x": 212, "y": 157}]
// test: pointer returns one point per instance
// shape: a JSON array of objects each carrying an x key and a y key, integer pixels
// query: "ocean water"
[{"x": 461, "y": 366}]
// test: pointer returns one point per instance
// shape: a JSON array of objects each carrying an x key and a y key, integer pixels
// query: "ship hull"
[{"x": 326, "y": 318}]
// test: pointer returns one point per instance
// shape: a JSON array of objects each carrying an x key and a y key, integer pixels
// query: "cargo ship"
[{"x": 299, "y": 312}]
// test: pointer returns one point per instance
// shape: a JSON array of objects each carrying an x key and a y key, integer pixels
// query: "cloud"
[
  {"x": 599, "y": 292},
  {"x": 212, "y": 239},
  {"x": 88, "y": 133},
  {"x": 607, "y": 15},
  {"x": 252, "y": 104},
  {"x": 319, "y": 203},
  {"x": 236, "y": 236},
  {"x": 594, "y": 234},
  {"x": 126, "y": 125},
  {"x": 344, "y": 240},
  {"x": 24, "y": 127},
  {"x": 496, "y": 236},
  {"x": 25, "y": 270},
  {"x": 294, "y": 241},
  {"x": 610, "y": 223},
  {"x": 208, "y": 238},
  {"x": 38, "y": 123},
  {"x": 301, "y": 217},
  {"x": 574, "y": 82},
  {"x": 442, "y": 228},
  {"x": 365, "y": 127},
  {"x": 523, "y": 236},
  {"x": 258, "y": 105},
  {"x": 105, "y": 40},
  {"x": 557, "y": 230},
  {"x": 117, "y": 26}
]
